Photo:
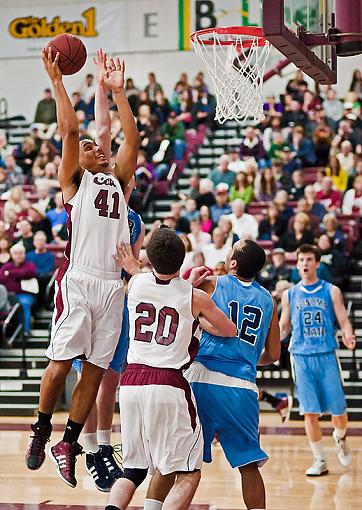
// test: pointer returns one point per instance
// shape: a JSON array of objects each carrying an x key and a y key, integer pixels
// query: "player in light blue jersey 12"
[
  {"x": 309, "y": 310},
  {"x": 224, "y": 373}
]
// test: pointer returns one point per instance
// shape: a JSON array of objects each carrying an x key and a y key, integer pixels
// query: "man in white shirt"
[
  {"x": 235, "y": 163},
  {"x": 346, "y": 157},
  {"x": 216, "y": 251},
  {"x": 198, "y": 238},
  {"x": 244, "y": 225}
]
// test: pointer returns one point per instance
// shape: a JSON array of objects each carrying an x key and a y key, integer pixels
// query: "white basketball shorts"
[
  {"x": 159, "y": 424},
  {"x": 87, "y": 319}
]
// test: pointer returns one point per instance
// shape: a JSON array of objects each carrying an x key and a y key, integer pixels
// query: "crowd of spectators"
[
  {"x": 302, "y": 130},
  {"x": 304, "y": 133}
]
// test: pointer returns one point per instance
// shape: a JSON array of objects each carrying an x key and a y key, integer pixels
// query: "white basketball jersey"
[
  {"x": 163, "y": 331},
  {"x": 97, "y": 222}
]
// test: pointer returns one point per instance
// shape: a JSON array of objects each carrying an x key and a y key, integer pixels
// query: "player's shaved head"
[
  {"x": 166, "y": 251},
  {"x": 249, "y": 258}
]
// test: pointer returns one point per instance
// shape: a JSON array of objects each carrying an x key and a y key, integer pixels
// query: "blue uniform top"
[
  {"x": 250, "y": 307},
  {"x": 312, "y": 318},
  {"x": 135, "y": 229},
  {"x": 135, "y": 226}
]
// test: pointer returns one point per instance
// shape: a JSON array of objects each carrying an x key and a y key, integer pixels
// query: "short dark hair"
[
  {"x": 309, "y": 248},
  {"x": 250, "y": 259},
  {"x": 165, "y": 251}
]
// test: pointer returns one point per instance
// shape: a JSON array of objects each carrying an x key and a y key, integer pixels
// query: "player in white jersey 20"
[
  {"x": 159, "y": 423},
  {"x": 89, "y": 293}
]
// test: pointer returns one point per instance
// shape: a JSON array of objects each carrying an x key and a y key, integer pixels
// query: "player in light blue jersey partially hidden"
[
  {"x": 309, "y": 310},
  {"x": 223, "y": 374}
]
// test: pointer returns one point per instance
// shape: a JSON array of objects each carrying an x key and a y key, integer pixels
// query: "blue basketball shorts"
[
  {"x": 120, "y": 354},
  {"x": 319, "y": 384},
  {"x": 230, "y": 411}
]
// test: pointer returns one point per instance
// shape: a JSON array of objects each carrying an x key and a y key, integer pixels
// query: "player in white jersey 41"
[{"x": 89, "y": 293}]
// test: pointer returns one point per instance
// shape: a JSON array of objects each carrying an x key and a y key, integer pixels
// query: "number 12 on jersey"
[{"x": 250, "y": 323}]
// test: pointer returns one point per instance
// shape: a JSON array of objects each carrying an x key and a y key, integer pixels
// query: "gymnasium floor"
[{"x": 287, "y": 487}]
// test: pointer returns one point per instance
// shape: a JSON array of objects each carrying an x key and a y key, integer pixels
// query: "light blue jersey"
[
  {"x": 312, "y": 318},
  {"x": 250, "y": 307}
]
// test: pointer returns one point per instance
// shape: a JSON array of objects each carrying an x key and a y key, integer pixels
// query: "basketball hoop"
[{"x": 235, "y": 59}]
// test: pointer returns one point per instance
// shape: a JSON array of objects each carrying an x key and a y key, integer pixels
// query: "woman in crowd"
[
  {"x": 265, "y": 186},
  {"x": 205, "y": 220},
  {"x": 352, "y": 201},
  {"x": 189, "y": 254},
  {"x": 273, "y": 227},
  {"x": 338, "y": 174},
  {"x": 299, "y": 234},
  {"x": 4, "y": 250},
  {"x": 46, "y": 155},
  {"x": 241, "y": 189},
  {"x": 15, "y": 197}
]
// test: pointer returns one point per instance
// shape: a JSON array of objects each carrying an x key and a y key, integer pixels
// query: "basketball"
[{"x": 72, "y": 52}]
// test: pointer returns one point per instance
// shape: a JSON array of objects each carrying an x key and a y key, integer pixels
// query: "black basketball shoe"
[
  {"x": 97, "y": 469},
  {"x": 109, "y": 454}
]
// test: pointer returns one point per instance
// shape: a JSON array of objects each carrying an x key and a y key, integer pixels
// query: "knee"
[
  {"x": 59, "y": 370},
  {"x": 110, "y": 380},
  {"x": 311, "y": 418}
]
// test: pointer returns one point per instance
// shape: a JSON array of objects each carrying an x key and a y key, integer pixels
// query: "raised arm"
[
  {"x": 203, "y": 305},
  {"x": 271, "y": 351},
  {"x": 348, "y": 336},
  {"x": 284, "y": 322},
  {"x": 102, "y": 118},
  {"x": 126, "y": 158},
  {"x": 69, "y": 168}
]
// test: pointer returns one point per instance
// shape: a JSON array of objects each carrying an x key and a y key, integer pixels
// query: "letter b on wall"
[{"x": 205, "y": 14}]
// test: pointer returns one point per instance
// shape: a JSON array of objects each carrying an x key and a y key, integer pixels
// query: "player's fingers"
[
  {"x": 123, "y": 67},
  {"x": 49, "y": 55},
  {"x": 56, "y": 58},
  {"x": 112, "y": 63},
  {"x": 118, "y": 64}
]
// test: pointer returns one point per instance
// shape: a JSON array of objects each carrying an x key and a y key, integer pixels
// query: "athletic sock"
[
  {"x": 90, "y": 442},
  {"x": 104, "y": 436},
  {"x": 340, "y": 433},
  {"x": 44, "y": 419},
  {"x": 317, "y": 449},
  {"x": 267, "y": 397},
  {"x": 72, "y": 431},
  {"x": 152, "y": 504}
]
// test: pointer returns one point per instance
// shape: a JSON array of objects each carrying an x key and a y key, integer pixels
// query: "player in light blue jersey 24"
[
  {"x": 223, "y": 374},
  {"x": 309, "y": 311}
]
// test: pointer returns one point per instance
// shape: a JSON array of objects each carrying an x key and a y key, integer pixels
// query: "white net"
[{"x": 236, "y": 65}]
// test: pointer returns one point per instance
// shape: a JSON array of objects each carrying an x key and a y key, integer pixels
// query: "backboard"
[{"x": 292, "y": 26}]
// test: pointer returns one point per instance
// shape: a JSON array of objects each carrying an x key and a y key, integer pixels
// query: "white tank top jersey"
[
  {"x": 163, "y": 331},
  {"x": 98, "y": 221}
]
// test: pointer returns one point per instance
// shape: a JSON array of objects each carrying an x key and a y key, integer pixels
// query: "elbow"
[
  {"x": 231, "y": 330},
  {"x": 69, "y": 132},
  {"x": 274, "y": 354}
]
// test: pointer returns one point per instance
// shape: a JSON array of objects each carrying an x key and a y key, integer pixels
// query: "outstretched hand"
[
  {"x": 50, "y": 65},
  {"x": 100, "y": 61},
  {"x": 114, "y": 76},
  {"x": 125, "y": 259}
]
